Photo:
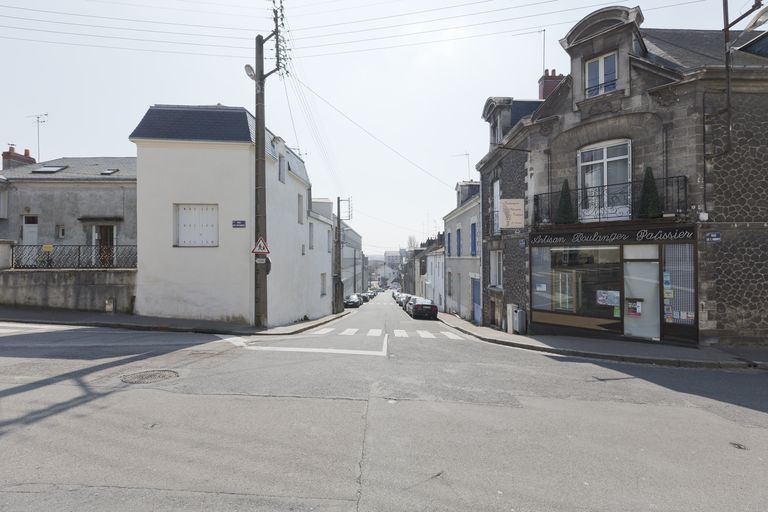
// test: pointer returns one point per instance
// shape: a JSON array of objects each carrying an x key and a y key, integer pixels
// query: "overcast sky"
[{"x": 413, "y": 73}]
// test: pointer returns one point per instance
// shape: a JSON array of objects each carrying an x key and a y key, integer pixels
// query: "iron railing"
[
  {"x": 619, "y": 201},
  {"x": 74, "y": 256}
]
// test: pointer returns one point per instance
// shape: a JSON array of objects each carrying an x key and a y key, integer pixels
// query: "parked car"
[
  {"x": 409, "y": 303},
  {"x": 405, "y": 301},
  {"x": 364, "y": 296},
  {"x": 402, "y": 299},
  {"x": 422, "y": 308},
  {"x": 352, "y": 301}
]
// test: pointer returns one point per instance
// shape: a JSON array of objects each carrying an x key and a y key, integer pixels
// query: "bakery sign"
[
  {"x": 649, "y": 236},
  {"x": 512, "y": 214}
]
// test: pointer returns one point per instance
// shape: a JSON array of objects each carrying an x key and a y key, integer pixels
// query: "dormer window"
[{"x": 600, "y": 75}]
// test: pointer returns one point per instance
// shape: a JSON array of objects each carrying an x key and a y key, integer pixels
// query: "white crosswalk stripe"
[
  {"x": 374, "y": 332},
  {"x": 451, "y": 335},
  {"x": 348, "y": 332},
  {"x": 425, "y": 334},
  {"x": 325, "y": 330},
  {"x": 399, "y": 333}
]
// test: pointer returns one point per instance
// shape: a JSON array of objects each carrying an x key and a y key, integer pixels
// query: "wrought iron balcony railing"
[
  {"x": 619, "y": 201},
  {"x": 74, "y": 256}
]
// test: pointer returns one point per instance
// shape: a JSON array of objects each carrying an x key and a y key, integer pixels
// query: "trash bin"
[{"x": 518, "y": 321}]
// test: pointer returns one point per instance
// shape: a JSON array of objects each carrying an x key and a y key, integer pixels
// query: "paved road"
[{"x": 373, "y": 412}]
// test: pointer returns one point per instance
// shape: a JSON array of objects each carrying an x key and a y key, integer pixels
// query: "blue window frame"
[
  {"x": 448, "y": 245},
  {"x": 473, "y": 239},
  {"x": 458, "y": 243}
]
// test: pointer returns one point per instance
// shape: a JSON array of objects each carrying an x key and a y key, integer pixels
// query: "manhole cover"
[{"x": 148, "y": 377}]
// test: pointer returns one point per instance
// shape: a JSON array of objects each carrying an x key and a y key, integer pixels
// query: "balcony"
[{"x": 614, "y": 202}]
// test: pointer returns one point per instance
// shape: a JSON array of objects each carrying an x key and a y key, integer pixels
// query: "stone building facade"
[{"x": 644, "y": 216}]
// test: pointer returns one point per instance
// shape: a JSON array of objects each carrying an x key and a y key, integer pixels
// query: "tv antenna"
[
  {"x": 465, "y": 154},
  {"x": 39, "y": 119}
]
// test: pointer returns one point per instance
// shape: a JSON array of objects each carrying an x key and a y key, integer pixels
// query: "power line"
[
  {"x": 358, "y": 6},
  {"x": 374, "y": 137},
  {"x": 131, "y": 20},
  {"x": 177, "y": 9},
  {"x": 379, "y": 18}
]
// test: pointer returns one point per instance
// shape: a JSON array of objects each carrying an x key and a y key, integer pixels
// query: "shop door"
[
  {"x": 477, "y": 314},
  {"x": 642, "y": 317}
]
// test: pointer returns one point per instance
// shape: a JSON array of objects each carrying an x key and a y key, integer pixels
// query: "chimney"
[
  {"x": 13, "y": 159},
  {"x": 548, "y": 82}
]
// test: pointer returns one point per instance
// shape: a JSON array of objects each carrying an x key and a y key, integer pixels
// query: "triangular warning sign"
[{"x": 261, "y": 247}]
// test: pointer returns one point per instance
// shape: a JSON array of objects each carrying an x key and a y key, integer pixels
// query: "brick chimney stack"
[
  {"x": 548, "y": 82},
  {"x": 13, "y": 159}
]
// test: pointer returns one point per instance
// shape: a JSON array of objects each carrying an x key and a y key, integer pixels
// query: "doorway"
[
  {"x": 29, "y": 230},
  {"x": 104, "y": 240},
  {"x": 641, "y": 300}
]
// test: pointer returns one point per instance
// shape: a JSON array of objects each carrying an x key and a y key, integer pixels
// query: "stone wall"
[{"x": 87, "y": 290}]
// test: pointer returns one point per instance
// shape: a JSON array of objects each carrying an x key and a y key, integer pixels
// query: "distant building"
[{"x": 463, "y": 231}]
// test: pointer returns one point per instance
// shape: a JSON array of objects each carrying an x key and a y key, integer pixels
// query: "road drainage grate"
[{"x": 148, "y": 377}]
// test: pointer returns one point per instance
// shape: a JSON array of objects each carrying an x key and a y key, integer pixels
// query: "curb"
[
  {"x": 677, "y": 363},
  {"x": 169, "y": 328}
]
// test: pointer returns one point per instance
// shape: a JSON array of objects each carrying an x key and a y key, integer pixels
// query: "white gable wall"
[{"x": 214, "y": 283}]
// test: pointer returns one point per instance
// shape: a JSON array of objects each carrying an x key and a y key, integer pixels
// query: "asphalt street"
[{"x": 372, "y": 412}]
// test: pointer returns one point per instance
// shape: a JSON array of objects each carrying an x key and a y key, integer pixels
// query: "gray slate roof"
[
  {"x": 77, "y": 169},
  {"x": 686, "y": 50},
  {"x": 214, "y": 123},
  {"x": 186, "y": 122}
]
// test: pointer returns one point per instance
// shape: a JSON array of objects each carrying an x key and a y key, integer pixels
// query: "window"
[
  {"x": 311, "y": 235},
  {"x": 281, "y": 168},
  {"x": 496, "y": 268},
  {"x": 329, "y": 240},
  {"x": 197, "y": 225},
  {"x": 600, "y": 74},
  {"x": 495, "y": 226},
  {"x": 604, "y": 180},
  {"x": 448, "y": 282},
  {"x": 60, "y": 231},
  {"x": 582, "y": 280},
  {"x": 448, "y": 243},
  {"x": 3, "y": 204},
  {"x": 300, "y": 205},
  {"x": 323, "y": 278},
  {"x": 458, "y": 243},
  {"x": 473, "y": 239}
]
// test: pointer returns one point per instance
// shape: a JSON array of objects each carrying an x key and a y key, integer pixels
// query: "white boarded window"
[
  {"x": 3, "y": 204},
  {"x": 281, "y": 163},
  {"x": 496, "y": 268},
  {"x": 197, "y": 225},
  {"x": 323, "y": 280},
  {"x": 329, "y": 241},
  {"x": 300, "y": 204}
]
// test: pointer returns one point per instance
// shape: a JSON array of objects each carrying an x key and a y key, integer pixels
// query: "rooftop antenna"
[
  {"x": 39, "y": 119},
  {"x": 543, "y": 50},
  {"x": 466, "y": 155}
]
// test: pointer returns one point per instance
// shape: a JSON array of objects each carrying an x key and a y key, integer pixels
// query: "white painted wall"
[
  {"x": 436, "y": 278},
  {"x": 214, "y": 283}
]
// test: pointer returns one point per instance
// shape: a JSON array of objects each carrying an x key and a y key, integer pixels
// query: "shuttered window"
[{"x": 197, "y": 225}]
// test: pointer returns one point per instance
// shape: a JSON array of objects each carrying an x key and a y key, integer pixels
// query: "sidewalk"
[
  {"x": 615, "y": 350},
  {"x": 150, "y": 323}
]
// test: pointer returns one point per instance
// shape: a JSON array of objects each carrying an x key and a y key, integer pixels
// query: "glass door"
[
  {"x": 604, "y": 181},
  {"x": 641, "y": 300}
]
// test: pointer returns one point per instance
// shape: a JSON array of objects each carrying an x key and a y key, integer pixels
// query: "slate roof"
[
  {"x": 212, "y": 123},
  {"x": 522, "y": 108},
  {"x": 199, "y": 123},
  {"x": 77, "y": 168},
  {"x": 686, "y": 50}
]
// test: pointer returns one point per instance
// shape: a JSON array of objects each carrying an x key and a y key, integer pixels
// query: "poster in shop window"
[
  {"x": 634, "y": 307},
  {"x": 608, "y": 297}
]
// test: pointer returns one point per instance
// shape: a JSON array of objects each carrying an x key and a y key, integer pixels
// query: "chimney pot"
[
  {"x": 11, "y": 149},
  {"x": 26, "y": 153},
  {"x": 554, "y": 72}
]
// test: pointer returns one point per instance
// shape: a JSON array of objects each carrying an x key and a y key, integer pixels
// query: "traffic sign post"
[{"x": 261, "y": 248}]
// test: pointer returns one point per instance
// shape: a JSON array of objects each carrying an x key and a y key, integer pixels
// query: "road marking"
[
  {"x": 348, "y": 332},
  {"x": 8, "y": 331},
  {"x": 374, "y": 332},
  {"x": 425, "y": 334},
  {"x": 451, "y": 335},
  {"x": 325, "y": 330},
  {"x": 399, "y": 333},
  {"x": 240, "y": 342}
]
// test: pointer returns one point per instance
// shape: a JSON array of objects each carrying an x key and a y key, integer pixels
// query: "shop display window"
[{"x": 579, "y": 280}]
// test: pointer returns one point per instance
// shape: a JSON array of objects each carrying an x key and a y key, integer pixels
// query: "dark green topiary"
[
  {"x": 650, "y": 204},
  {"x": 566, "y": 214}
]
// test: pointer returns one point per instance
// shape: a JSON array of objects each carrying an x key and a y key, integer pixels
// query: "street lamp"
[{"x": 760, "y": 19}]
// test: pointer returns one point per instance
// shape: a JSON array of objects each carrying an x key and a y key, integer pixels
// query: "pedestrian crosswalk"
[{"x": 398, "y": 333}]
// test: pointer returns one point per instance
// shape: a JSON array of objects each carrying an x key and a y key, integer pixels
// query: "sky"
[{"x": 382, "y": 99}]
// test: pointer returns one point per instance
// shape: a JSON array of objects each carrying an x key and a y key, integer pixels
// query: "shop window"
[
  {"x": 580, "y": 280},
  {"x": 679, "y": 285}
]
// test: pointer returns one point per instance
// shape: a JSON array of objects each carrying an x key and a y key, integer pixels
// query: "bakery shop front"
[{"x": 639, "y": 283}]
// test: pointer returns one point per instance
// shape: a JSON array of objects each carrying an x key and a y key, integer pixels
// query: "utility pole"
[
  {"x": 338, "y": 285},
  {"x": 260, "y": 207},
  {"x": 354, "y": 269},
  {"x": 39, "y": 119}
]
